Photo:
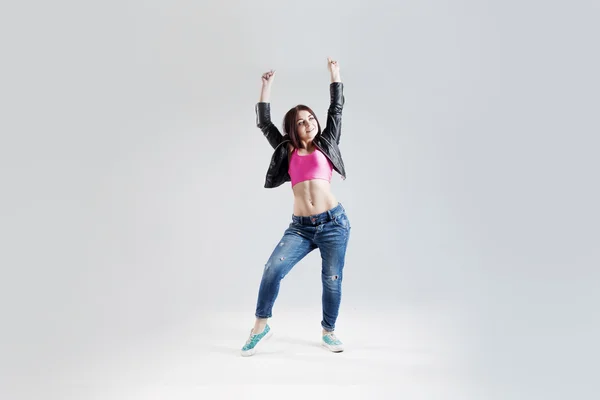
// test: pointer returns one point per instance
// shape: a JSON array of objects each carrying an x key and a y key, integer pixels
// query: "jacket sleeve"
[
  {"x": 333, "y": 128},
  {"x": 263, "y": 121}
]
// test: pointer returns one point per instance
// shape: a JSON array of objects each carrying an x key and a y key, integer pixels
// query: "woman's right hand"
[{"x": 267, "y": 77}]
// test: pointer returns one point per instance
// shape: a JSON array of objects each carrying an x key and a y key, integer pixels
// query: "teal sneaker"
[
  {"x": 331, "y": 342},
  {"x": 253, "y": 341}
]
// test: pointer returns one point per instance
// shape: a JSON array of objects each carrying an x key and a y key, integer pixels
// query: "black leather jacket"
[{"x": 326, "y": 141}]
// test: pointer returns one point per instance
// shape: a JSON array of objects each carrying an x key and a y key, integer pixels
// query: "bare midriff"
[{"x": 313, "y": 197}]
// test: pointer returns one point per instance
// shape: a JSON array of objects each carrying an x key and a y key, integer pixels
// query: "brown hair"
[{"x": 289, "y": 123}]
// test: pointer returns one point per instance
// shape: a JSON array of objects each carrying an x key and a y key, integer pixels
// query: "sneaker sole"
[
  {"x": 334, "y": 349},
  {"x": 250, "y": 352}
]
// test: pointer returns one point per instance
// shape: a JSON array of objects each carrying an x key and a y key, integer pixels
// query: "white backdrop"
[{"x": 132, "y": 177}]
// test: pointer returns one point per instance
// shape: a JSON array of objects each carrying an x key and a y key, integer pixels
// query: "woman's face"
[{"x": 306, "y": 125}]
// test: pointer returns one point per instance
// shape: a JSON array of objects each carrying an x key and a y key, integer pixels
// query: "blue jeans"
[{"x": 329, "y": 232}]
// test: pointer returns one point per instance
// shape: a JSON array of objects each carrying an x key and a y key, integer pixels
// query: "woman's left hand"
[
  {"x": 334, "y": 69},
  {"x": 333, "y": 66}
]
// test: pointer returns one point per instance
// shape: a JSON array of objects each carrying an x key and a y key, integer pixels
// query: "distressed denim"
[{"x": 329, "y": 232}]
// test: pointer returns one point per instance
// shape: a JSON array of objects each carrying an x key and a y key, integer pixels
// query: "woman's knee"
[
  {"x": 275, "y": 267},
  {"x": 332, "y": 282}
]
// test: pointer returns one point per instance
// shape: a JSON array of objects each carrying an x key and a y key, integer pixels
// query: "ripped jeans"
[{"x": 329, "y": 232}]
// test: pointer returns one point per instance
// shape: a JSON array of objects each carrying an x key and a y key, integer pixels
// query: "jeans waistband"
[{"x": 321, "y": 218}]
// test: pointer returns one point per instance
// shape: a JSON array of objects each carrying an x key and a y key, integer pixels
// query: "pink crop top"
[{"x": 311, "y": 166}]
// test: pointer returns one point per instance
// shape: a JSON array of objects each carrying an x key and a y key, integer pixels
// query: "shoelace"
[
  {"x": 250, "y": 337},
  {"x": 332, "y": 337}
]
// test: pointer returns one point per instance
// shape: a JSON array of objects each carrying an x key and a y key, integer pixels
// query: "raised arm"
[
  {"x": 263, "y": 111},
  {"x": 333, "y": 128}
]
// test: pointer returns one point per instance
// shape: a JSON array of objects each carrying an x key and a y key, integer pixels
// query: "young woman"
[{"x": 306, "y": 156}]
